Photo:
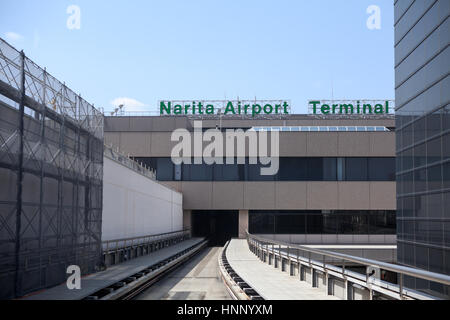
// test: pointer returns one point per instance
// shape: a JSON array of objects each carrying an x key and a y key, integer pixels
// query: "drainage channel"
[
  {"x": 133, "y": 285},
  {"x": 245, "y": 289}
]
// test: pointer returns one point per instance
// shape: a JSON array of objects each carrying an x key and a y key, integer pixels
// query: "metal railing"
[
  {"x": 319, "y": 257},
  {"x": 114, "y": 154},
  {"x": 122, "y": 243}
]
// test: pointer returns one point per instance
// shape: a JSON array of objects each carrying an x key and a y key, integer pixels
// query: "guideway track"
[{"x": 133, "y": 285}]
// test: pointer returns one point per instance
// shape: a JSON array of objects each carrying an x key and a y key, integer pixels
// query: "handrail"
[
  {"x": 151, "y": 236},
  {"x": 403, "y": 270}
]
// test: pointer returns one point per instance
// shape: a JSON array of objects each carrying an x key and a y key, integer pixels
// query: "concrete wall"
[
  {"x": 292, "y": 144},
  {"x": 135, "y": 205},
  {"x": 287, "y": 195}
]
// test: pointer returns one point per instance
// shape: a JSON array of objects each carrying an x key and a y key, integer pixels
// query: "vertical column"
[
  {"x": 18, "y": 275},
  {"x": 243, "y": 223},
  {"x": 187, "y": 219}
]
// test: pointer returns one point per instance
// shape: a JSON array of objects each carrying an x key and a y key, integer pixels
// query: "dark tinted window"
[
  {"x": 292, "y": 169},
  {"x": 381, "y": 169},
  {"x": 164, "y": 169},
  {"x": 356, "y": 169}
]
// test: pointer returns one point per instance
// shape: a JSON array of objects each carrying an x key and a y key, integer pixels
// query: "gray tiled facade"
[{"x": 422, "y": 93}]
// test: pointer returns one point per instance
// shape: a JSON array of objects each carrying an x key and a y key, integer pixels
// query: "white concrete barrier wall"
[{"x": 134, "y": 205}]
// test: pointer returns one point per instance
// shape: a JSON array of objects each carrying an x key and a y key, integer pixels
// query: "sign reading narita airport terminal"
[
  {"x": 351, "y": 107},
  {"x": 224, "y": 107}
]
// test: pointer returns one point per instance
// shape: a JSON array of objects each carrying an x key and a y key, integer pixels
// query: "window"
[
  {"x": 314, "y": 223},
  {"x": 323, "y": 222},
  {"x": 381, "y": 169},
  {"x": 228, "y": 172},
  {"x": 164, "y": 169},
  {"x": 290, "y": 169},
  {"x": 356, "y": 169}
]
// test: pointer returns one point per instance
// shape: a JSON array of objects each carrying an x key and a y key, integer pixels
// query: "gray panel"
[
  {"x": 433, "y": 18},
  {"x": 423, "y": 53}
]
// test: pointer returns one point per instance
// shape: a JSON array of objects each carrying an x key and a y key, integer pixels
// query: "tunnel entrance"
[{"x": 217, "y": 225}]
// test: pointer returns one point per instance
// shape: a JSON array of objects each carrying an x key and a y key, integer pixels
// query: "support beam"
[{"x": 243, "y": 223}]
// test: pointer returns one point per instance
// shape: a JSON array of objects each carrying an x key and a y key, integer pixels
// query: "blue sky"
[{"x": 150, "y": 50}]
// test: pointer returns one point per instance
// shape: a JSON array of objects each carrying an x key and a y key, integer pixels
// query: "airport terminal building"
[{"x": 335, "y": 183}]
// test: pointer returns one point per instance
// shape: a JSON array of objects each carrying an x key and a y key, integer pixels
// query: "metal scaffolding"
[{"x": 51, "y": 172}]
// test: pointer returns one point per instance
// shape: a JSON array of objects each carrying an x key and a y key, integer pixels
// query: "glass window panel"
[
  {"x": 420, "y": 206},
  {"x": 446, "y": 174},
  {"x": 356, "y": 169},
  {"x": 434, "y": 176},
  {"x": 381, "y": 169},
  {"x": 164, "y": 169},
  {"x": 407, "y": 134},
  {"x": 330, "y": 223},
  {"x": 446, "y": 118},
  {"x": 419, "y": 129},
  {"x": 261, "y": 223},
  {"x": 254, "y": 173},
  {"x": 446, "y": 146},
  {"x": 419, "y": 155},
  {"x": 433, "y": 123},
  {"x": 436, "y": 232},
  {"x": 314, "y": 223},
  {"x": 420, "y": 180},
  {"x": 434, "y": 150},
  {"x": 329, "y": 169},
  {"x": 421, "y": 231},
  {"x": 315, "y": 169},
  {"x": 407, "y": 159},
  {"x": 201, "y": 172},
  {"x": 435, "y": 205},
  {"x": 292, "y": 169}
]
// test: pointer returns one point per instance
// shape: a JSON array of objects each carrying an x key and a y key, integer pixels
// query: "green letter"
[
  {"x": 346, "y": 107},
  {"x": 177, "y": 109},
  {"x": 325, "y": 109},
  {"x": 314, "y": 105},
  {"x": 271, "y": 109},
  {"x": 162, "y": 107},
  {"x": 285, "y": 105},
  {"x": 209, "y": 109},
  {"x": 378, "y": 108},
  {"x": 254, "y": 111},
  {"x": 365, "y": 106},
  {"x": 229, "y": 105}
]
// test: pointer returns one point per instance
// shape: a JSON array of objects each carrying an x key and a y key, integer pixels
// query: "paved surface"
[
  {"x": 198, "y": 279},
  {"x": 96, "y": 281},
  {"x": 270, "y": 283}
]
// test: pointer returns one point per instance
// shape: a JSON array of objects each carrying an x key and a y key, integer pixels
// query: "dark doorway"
[{"x": 218, "y": 225}]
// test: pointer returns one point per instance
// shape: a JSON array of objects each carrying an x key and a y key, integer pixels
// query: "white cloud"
[
  {"x": 130, "y": 104},
  {"x": 13, "y": 36}
]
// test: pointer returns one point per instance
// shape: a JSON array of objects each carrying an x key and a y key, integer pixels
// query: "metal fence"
[
  {"x": 51, "y": 172},
  {"x": 337, "y": 264},
  {"x": 114, "y": 154}
]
